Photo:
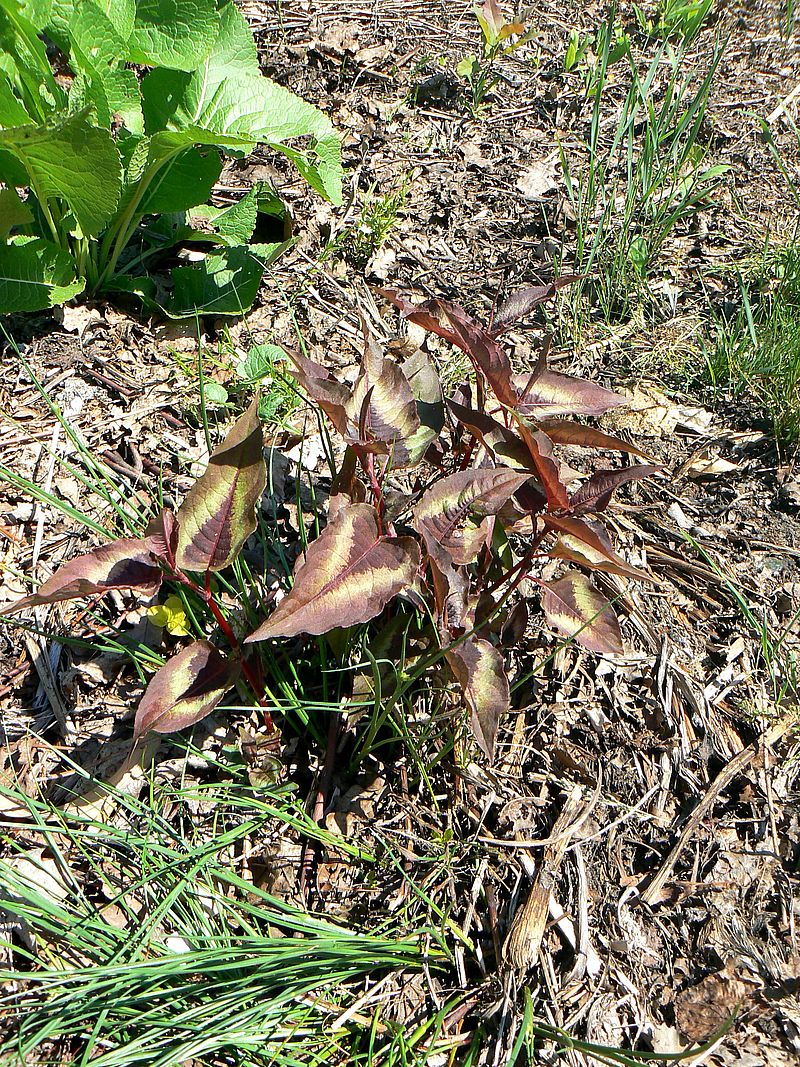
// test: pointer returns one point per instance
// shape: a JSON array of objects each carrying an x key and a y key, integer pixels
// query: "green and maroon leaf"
[
  {"x": 574, "y": 607},
  {"x": 443, "y": 513},
  {"x": 588, "y": 544},
  {"x": 321, "y": 386},
  {"x": 124, "y": 564},
  {"x": 219, "y": 512},
  {"x": 545, "y": 393},
  {"x": 522, "y": 302},
  {"x": 480, "y": 671},
  {"x": 451, "y": 322},
  {"x": 497, "y": 439},
  {"x": 549, "y": 469},
  {"x": 162, "y": 536},
  {"x": 383, "y": 409},
  {"x": 596, "y": 492},
  {"x": 349, "y": 574},
  {"x": 186, "y": 689},
  {"x": 564, "y": 432}
]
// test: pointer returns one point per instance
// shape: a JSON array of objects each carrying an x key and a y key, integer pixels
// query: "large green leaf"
[
  {"x": 12, "y": 113},
  {"x": 225, "y": 283},
  {"x": 173, "y": 33},
  {"x": 35, "y": 274},
  {"x": 184, "y": 182},
  {"x": 72, "y": 159},
  {"x": 12, "y": 212},
  {"x": 25, "y": 59},
  {"x": 227, "y": 102},
  {"x": 218, "y": 514}
]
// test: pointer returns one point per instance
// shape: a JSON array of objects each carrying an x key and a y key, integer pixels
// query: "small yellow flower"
[{"x": 172, "y": 616}]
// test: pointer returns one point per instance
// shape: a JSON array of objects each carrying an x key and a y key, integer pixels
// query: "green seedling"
[{"x": 498, "y": 37}]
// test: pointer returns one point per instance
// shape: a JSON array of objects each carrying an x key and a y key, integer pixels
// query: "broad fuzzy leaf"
[
  {"x": 588, "y": 544},
  {"x": 219, "y": 512},
  {"x": 124, "y": 564},
  {"x": 72, "y": 159},
  {"x": 13, "y": 212},
  {"x": 442, "y": 512},
  {"x": 35, "y": 274},
  {"x": 321, "y": 386},
  {"x": 545, "y": 393},
  {"x": 179, "y": 34},
  {"x": 480, "y": 671},
  {"x": 184, "y": 182},
  {"x": 223, "y": 283},
  {"x": 519, "y": 304},
  {"x": 227, "y": 102},
  {"x": 349, "y": 574},
  {"x": 595, "y": 493},
  {"x": 450, "y": 321},
  {"x": 186, "y": 689},
  {"x": 576, "y": 609},
  {"x": 563, "y": 432}
]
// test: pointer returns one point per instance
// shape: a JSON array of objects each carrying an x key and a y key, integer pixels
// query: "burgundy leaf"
[
  {"x": 595, "y": 494},
  {"x": 349, "y": 574},
  {"x": 574, "y": 607},
  {"x": 383, "y": 410},
  {"x": 321, "y": 386},
  {"x": 481, "y": 673},
  {"x": 186, "y": 689},
  {"x": 497, "y": 439},
  {"x": 127, "y": 563},
  {"x": 518, "y": 304},
  {"x": 563, "y": 432},
  {"x": 442, "y": 514},
  {"x": 587, "y": 543},
  {"x": 451, "y": 322},
  {"x": 219, "y": 512},
  {"x": 162, "y": 536},
  {"x": 546, "y": 393},
  {"x": 541, "y": 449}
]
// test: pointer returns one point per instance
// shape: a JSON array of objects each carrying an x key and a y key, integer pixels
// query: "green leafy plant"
[
  {"x": 117, "y": 158},
  {"x": 674, "y": 19},
  {"x": 498, "y": 37},
  {"x": 482, "y": 477}
]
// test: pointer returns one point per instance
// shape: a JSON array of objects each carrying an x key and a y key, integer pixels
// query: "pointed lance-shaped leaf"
[
  {"x": 127, "y": 563},
  {"x": 219, "y": 512},
  {"x": 549, "y": 469},
  {"x": 576, "y": 609},
  {"x": 504, "y": 445},
  {"x": 321, "y": 386},
  {"x": 564, "y": 432},
  {"x": 162, "y": 536},
  {"x": 596, "y": 492},
  {"x": 186, "y": 689},
  {"x": 451, "y": 322},
  {"x": 588, "y": 544},
  {"x": 383, "y": 409},
  {"x": 545, "y": 393},
  {"x": 480, "y": 671},
  {"x": 522, "y": 302},
  {"x": 349, "y": 574},
  {"x": 442, "y": 512}
]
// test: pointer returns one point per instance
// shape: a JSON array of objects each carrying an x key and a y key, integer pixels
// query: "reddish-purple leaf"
[
  {"x": 522, "y": 302},
  {"x": 451, "y": 322},
  {"x": 545, "y": 393},
  {"x": 124, "y": 564},
  {"x": 481, "y": 673},
  {"x": 596, "y": 492},
  {"x": 383, "y": 410},
  {"x": 588, "y": 544},
  {"x": 162, "y": 536},
  {"x": 219, "y": 512},
  {"x": 349, "y": 574},
  {"x": 514, "y": 625},
  {"x": 576, "y": 609},
  {"x": 548, "y": 467},
  {"x": 442, "y": 514},
  {"x": 186, "y": 689},
  {"x": 497, "y": 439},
  {"x": 323, "y": 388},
  {"x": 563, "y": 432}
]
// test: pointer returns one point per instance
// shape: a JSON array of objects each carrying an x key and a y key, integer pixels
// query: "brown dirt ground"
[{"x": 662, "y": 749}]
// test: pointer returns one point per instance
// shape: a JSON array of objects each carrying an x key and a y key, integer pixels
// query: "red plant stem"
[
  {"x": 250, "y": 677},
  {"x": 518, "y": 571}
]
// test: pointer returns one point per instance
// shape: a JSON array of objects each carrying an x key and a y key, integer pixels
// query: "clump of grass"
[
  {"x": 375, "y": 222},
  {"x": 756, "y": 352}
]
